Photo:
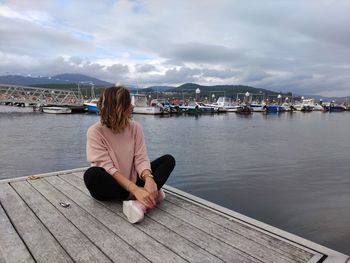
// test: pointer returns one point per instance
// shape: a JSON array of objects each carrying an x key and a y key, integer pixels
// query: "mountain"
[
  {"x": 221, "y": 90},
  {"x": 57, "y": 79},
  {"x": 158, "y": 88}
]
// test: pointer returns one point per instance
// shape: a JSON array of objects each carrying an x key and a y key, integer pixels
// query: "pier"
[
  {"x": 52, "y": 218},
  {"x": 33, "y": 96}
]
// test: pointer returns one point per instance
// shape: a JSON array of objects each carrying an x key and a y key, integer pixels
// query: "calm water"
[{"x": 289, "y": 170}]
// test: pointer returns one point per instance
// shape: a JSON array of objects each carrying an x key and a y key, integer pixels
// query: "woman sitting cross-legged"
[{"x": 121, "y": 169}]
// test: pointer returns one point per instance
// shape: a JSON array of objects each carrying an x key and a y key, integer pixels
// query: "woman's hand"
[
  {"x": 151, "y": 186},
  {"x": 146, "y": 198}
]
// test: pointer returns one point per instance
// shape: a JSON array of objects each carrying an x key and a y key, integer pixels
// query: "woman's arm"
[
  {"x": 150, "y": 185},
  {"x": 141, "y": 194}
]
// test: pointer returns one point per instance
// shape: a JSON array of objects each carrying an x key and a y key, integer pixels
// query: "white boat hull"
[
  {"x": 148, "y": 110},
  {"x": 57, "y": 110}
]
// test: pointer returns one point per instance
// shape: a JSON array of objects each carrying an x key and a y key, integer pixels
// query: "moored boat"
[
  {"x": 92, "y": 106},
  {"x": 257, "y": 107},
  {"x": 57, "y": 110},
  {"x": 141, "y": 106},
  {"x": 274, "y": 108},
  {"x": 334, "y": 108}
]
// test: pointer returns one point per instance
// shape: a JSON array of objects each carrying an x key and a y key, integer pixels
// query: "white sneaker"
[{"x": 134, "y": 211}]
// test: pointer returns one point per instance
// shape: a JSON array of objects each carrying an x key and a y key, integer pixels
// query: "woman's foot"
[{"x": 134, "y": 211}]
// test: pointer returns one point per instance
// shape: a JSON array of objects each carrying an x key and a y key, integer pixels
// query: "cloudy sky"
[{"x": 302, "y": 46}]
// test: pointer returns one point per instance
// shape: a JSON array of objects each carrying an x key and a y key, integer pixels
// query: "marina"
[
  {"x": 53, "y": 215},
  {"x": 65, "y": 101}
]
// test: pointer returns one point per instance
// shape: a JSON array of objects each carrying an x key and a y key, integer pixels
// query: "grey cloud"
[
  {"x": 60, "y": 65},
  {"x": 252, "y": 75},
  {"x": 19, "y": 37},
  {"x": 144, "y": 68},
  {"x": 289, "y": 45},
  {"x": 221, "y": 74},
  {"x": 201, "y": 53}
]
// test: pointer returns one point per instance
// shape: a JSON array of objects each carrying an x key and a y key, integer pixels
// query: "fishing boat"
[
  {"x": 244, "y": 109},
  {"x": 57, "y": 110},
  {"x": 334, "y": 107},
  {"x": 168, "y": 107},
  {"x": 288, "y": 106},
  {"x": 274, "y": 108},
  {"x": 92, "y": 106},
  {"x": 141, "y": 106},
  {"x": 198, "y": 108},
  {"x": 256, "y": 107},
  {"x": 224, "y": 104}
]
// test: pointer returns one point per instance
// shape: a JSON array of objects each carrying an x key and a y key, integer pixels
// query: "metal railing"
[{"x": 39, "y": 96}]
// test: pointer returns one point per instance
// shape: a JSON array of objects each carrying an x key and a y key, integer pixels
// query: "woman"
[{"x": 120, "y": 165}]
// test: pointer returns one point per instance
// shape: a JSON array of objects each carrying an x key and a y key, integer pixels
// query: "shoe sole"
[{"x": 131, "y": 212}]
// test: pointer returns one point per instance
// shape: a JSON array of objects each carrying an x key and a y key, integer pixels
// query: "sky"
[{"x": 299, "y": 46}]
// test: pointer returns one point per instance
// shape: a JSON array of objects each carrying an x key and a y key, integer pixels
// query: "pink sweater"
[{"x": 124, "y": 152}]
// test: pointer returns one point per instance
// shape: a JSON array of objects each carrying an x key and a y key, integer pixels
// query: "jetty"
[{"x": 52, "y": 218}]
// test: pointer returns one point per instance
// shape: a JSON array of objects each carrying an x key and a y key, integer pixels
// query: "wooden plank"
[
  {"x": 289, "y": 249},
  {"x": 194, "y": 235},
  {"x": 205, "y": 240},
  {"x": 76, "y": 244},
  {"x": 179, "y": 245},
  {"x": 12, "y": 248},
  {"x": 223, "y": 250},
  {"x": 312, "y": 246},
  {"x": 261, "y": 237},
  {"x": 40, "y": 242},
  {"x": 111, "y": 245},
  {"x": 226, "y": 235},
  {"x": 143, "y": 243}
]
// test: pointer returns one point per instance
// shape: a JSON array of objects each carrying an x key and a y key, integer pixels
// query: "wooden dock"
[{"x": 37, "y": 227}]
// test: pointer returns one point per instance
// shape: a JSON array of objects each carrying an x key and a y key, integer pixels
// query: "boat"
[
  {"x": 92, "y": 106},
  {"x": 57, "y": 110},
  {"x": 257, "y": 107},
  {"x": 332, "y": 107},
  {"x": 288, "y": 106},
  {"x": 141, "y": 106},
  {"x": 244, "y": 109},
  {"x": 306, "y": 105},
  {"x": 224, "y": 104},
  {"x": 274, "y": 108},
  {"x": 168, "y": 107},
  {"x": 198, "y": 108}
]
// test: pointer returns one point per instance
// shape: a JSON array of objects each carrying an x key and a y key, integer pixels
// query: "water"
[{"x": 289, "y": 170}]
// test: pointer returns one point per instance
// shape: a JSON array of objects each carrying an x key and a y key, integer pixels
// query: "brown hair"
[{"x": 114, "y": 104}]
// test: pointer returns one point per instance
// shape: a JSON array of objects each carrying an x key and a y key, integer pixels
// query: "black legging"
[{"x": 102, "y": 186}]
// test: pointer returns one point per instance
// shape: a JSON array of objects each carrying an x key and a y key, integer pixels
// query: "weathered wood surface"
[{"x": 34, "y": 227}]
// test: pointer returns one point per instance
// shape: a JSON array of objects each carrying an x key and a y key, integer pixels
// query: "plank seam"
[
  {"x": 235, "y": 248},
  {"x": 308, "y": 249},
  {"x": 69, "y": 221},
  {"x": 48, "y": 230},
  {"x": 215, "y": 237},
  {"x": 14, "y": 227},
  {"x": 150, "y": 218},
  {"x": 120, "y": 217},
  {"x": 190, "y": 240},
  {"x": 100, "y": 221},
  {"x": 233, "y": 231}
]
